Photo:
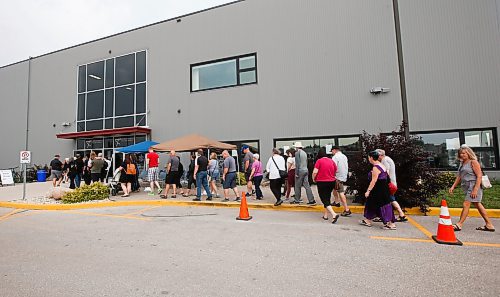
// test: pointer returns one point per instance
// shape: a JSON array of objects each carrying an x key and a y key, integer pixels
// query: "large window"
[
  {"x": 348, "y": 144},
  {"x": 112, "y": 93},
  {"x": 443, "y": 147},
  {"x": 223, "y": 73}
]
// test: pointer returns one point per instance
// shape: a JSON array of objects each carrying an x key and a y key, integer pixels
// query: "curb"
[{"x": 433, "y": 211}]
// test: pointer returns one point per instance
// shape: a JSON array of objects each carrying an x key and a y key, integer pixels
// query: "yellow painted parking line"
[
  {"x": 8, "y": 215},
  {"x": 497, "y": 245},
  {"x": 401, "y": 239},
  {"x": 482, "y": 244},
  {"x": 107, "y": 215},
  {"x": 420, "y": 227},
  {"x": 141, "y": 210}
]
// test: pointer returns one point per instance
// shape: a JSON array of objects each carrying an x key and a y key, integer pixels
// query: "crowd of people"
[
  {"x": 73, "y": 170},
  {"x": 330, "y": 174}
]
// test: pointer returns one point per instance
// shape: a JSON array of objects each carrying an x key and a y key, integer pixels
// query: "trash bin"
[{"x": 41, "y": 175}]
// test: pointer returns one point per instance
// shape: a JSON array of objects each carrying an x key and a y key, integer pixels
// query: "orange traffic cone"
[
  {"x": 244, "y": 216},
  {"x": 445, "y": 233}
]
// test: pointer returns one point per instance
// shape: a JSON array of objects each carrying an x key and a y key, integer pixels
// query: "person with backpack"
[{"x": 129, "y": 172}]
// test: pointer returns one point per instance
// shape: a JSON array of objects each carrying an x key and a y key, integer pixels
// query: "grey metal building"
[{"x": 268, "y": 73}]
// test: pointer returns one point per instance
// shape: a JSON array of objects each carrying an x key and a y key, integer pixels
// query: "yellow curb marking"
[
  {"x": 107, "y": 215},
  {"x": 432, "y": 241},
  {"x": 420, "y": 227},
  {"x": 7, "y": 216}
]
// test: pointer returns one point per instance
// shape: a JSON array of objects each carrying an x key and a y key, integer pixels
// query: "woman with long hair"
[
  {"x": 469, "y": 176},
  {"x": 213, "y": 174},
  {"x": 128, "y": 175}
]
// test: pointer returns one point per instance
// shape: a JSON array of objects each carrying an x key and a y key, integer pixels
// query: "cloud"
[{"x": 31, "y": 27}]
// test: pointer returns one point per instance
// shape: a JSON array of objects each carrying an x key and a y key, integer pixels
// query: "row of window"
[
  {"x": 442, "y": 147},
  {"x": 112, "y": 92}
]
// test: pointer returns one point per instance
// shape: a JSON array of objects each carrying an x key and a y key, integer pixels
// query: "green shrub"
[
  {"x": 241, "y": 180},
  {"x": 418, "y": 183},
  {"x": 96, "y": 191}
]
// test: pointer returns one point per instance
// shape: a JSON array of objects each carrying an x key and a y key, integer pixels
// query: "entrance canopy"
[
  {"x": 141, "y": 147},
  {"x": 191, "y": 143}
]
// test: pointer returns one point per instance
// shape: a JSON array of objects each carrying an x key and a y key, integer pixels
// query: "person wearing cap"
[
  {"x": 56, "y": 171},
  {"x": 247, "y": 167},
  {"x": 391, "y": 170},
  {"x": 302, "y": 176},
  {"x": 340, "y": 178}
]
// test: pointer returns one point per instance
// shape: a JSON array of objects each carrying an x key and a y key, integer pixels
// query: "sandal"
[
  {"x": 185, "y": 195},
  {"x": 125, "y": 195},
  {"x": 335, "y": 219},
  {"x": 365, "y": 223},
  {"x": 457, "y": 228},
  {"x": 173, "y": 196},
  {"x": 402, "y": 219},
  {"x": 163, "y": 196},
  {"x": 484, "y": 228},
  {"x": 326, "y": 219},
  {"x": 378, "y": 220},
  {"x": 387, "y": 227}
]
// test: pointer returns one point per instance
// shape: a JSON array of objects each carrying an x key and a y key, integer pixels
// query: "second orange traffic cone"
[
  {"x": 244, "y": 215},
  {"x": 445, "y": 233}
]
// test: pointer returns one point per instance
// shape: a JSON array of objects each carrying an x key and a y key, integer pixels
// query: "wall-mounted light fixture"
[{"x": 378, "y": 90}]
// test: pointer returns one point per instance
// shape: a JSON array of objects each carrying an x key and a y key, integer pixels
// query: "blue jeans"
[
  {"x": 201, "y": 180},
  {"x": 78, "y": 179}
]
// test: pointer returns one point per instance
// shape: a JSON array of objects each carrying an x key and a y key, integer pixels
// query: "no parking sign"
[{"x": 25, "y": 157}]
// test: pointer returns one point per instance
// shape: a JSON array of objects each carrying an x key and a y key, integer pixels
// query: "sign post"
[{"x": 25, "y": 158}]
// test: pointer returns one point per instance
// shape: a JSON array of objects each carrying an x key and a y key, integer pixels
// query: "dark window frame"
[
  {"x": 461, "y": 136},
  {"x": 238, "y": 71}
]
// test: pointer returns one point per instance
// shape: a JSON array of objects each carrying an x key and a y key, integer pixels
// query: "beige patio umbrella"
[{"x": 192, "y": 142}]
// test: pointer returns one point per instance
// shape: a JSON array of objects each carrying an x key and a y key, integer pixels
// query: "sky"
[{"x": 29, "y": 28}]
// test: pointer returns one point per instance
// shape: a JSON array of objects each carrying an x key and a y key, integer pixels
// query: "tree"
[{"x": 417, "y": 180}]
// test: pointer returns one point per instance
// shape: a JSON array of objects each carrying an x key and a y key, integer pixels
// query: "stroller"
[{"x": 114, "y": 182}]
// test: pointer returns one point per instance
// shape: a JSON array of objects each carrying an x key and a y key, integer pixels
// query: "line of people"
[{"x": 89, "y": 169}]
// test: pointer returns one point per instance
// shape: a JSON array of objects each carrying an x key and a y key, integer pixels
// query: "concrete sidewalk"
[{"x": 11, "y": 197}]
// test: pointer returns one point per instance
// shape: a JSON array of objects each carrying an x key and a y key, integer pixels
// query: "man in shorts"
[
  {"x": 152, "y": 163},
  {"x": 247, "y": 166},
  {"x": 56, "y": 171},
  {"x": 229, "y": 176},
  {"x": 173, "y": 176},
  {"x": 341, "y": 177}
]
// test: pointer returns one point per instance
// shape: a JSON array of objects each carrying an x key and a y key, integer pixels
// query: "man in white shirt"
[
  {"x": 391, "y": 171},
  {"x": 341, "y": 177}
]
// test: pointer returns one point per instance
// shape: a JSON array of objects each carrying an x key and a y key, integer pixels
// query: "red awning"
[{"x": 107, "y": 132}]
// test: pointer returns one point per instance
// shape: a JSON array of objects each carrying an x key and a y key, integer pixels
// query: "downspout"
[
  {"x": 402, "y": 79},
  {"x": 28, "y": 105}
]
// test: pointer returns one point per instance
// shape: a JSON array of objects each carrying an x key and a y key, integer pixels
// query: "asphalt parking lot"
[{"x": 204, "y": 251}]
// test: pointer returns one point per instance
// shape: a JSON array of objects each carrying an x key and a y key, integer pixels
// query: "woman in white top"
[{"x": 274, "y": 165}]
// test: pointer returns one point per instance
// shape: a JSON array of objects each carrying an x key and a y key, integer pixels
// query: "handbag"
[
  {"x": 485, "y": 182},
  {"x": 282, "y": 173}
]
